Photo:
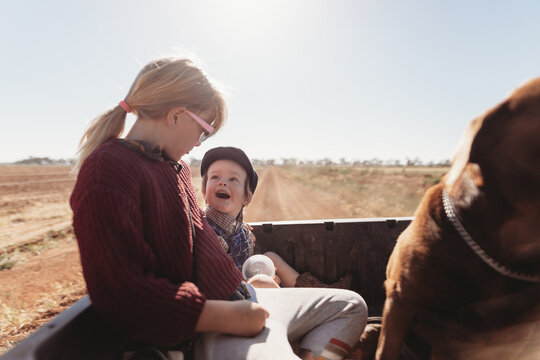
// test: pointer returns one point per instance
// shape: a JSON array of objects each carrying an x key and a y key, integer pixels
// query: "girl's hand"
[
  {"x": 241, "y": 318},
  {"x": 249, "y": 320}
]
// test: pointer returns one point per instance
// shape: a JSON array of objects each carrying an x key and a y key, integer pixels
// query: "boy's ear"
[
  {"x": 248, "y": 198},
  {"x": 203, "y": 191}
]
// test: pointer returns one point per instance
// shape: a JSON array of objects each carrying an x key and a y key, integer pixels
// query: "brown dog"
[{"x": 468, "y": 301}]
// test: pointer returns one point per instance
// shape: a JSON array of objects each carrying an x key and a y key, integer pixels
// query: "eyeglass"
[{"x": 208, "y": 129}]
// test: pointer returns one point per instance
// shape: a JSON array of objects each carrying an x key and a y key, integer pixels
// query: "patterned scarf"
[{"x": 235, "y": 236}]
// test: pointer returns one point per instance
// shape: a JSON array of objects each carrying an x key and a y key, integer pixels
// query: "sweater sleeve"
[{"x": 115, "y": 260}]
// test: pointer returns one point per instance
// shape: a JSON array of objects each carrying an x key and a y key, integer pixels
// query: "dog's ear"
[
  {"x": 475, "y": 174},
  {"x": 467, "y": 186},
  {"x": 460, "y": 159}
]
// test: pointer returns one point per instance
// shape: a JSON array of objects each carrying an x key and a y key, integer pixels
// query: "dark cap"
[{"x": 233, "y": 154}]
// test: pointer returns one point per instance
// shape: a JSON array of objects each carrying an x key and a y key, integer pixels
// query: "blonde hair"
[{"x": 161, "y": 85}]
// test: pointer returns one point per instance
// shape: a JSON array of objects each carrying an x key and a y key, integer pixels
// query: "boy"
[{"x": 228, "y": 184}]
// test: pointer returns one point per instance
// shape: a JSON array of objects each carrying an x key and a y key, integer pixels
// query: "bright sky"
[{"x": 308, "y": 79}]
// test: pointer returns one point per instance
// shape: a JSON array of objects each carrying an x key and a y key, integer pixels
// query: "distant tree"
[
  {"x": 194, "y": 162},
  {"x": 443, "y": 163},
  {"x": 270, "y": 162},
  {"x": 288, "y": 161},
  {"x": 376, "y": 162},
  {"x": 414, "y": 162},
  {"x": 44, "y": 161},
  {"x": 327, "y": 162}
]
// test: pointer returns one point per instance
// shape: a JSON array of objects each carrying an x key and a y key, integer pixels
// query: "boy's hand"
[
  {"x": 252, "y": 234},
  {"x": 276, "y": 278}
]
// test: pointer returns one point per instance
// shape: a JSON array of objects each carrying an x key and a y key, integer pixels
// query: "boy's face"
[{"x": 225, "y": 187}]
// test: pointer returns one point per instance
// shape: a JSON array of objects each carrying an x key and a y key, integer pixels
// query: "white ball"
[{"x": 258, "y": 264}]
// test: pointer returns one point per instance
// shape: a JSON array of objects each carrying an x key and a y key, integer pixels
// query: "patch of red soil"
[{"x": 42, "y": 287}]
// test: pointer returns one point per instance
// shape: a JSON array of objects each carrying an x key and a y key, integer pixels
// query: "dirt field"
[{"x": 40, "y": 274}]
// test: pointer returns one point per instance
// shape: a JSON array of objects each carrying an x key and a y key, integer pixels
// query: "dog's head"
[{"x": 498, "y": 164}]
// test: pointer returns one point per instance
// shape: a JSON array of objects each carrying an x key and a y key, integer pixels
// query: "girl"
[{"x": 153, "y": 266}]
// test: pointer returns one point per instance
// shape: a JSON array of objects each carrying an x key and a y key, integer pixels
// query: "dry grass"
[
  {"x": 370, "y": 192},
  {"x": 20, "y": 252},
  {"x": 18, "y": 318},
  {"x": 42, "y": 283},
  {"x": 7, "y": 261}
]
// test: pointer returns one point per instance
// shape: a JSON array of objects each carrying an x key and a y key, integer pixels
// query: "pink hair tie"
[{"x": 124, "y": 106}]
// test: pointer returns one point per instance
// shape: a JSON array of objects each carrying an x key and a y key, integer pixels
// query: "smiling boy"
[{"x": 228, "y": 184}]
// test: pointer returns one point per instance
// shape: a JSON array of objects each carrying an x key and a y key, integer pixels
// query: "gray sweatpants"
[{"x": 328, "y": 322}]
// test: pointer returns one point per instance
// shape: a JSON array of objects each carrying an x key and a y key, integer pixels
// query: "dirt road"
[{"x": 279, "y": 197}]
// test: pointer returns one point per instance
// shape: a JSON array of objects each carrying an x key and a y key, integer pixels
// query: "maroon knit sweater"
[{"x": 132, "y": 226}]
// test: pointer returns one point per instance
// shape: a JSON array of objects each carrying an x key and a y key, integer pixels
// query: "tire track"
[{"x": 280, "y": 198}]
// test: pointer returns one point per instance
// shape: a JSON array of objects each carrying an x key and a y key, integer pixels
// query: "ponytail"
[
  {"x": 161, "y": 85},
  {"x": 108, "y": 124}
]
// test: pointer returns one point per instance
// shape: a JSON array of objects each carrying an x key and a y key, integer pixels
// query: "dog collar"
[{"x": 452, "y": 217}]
